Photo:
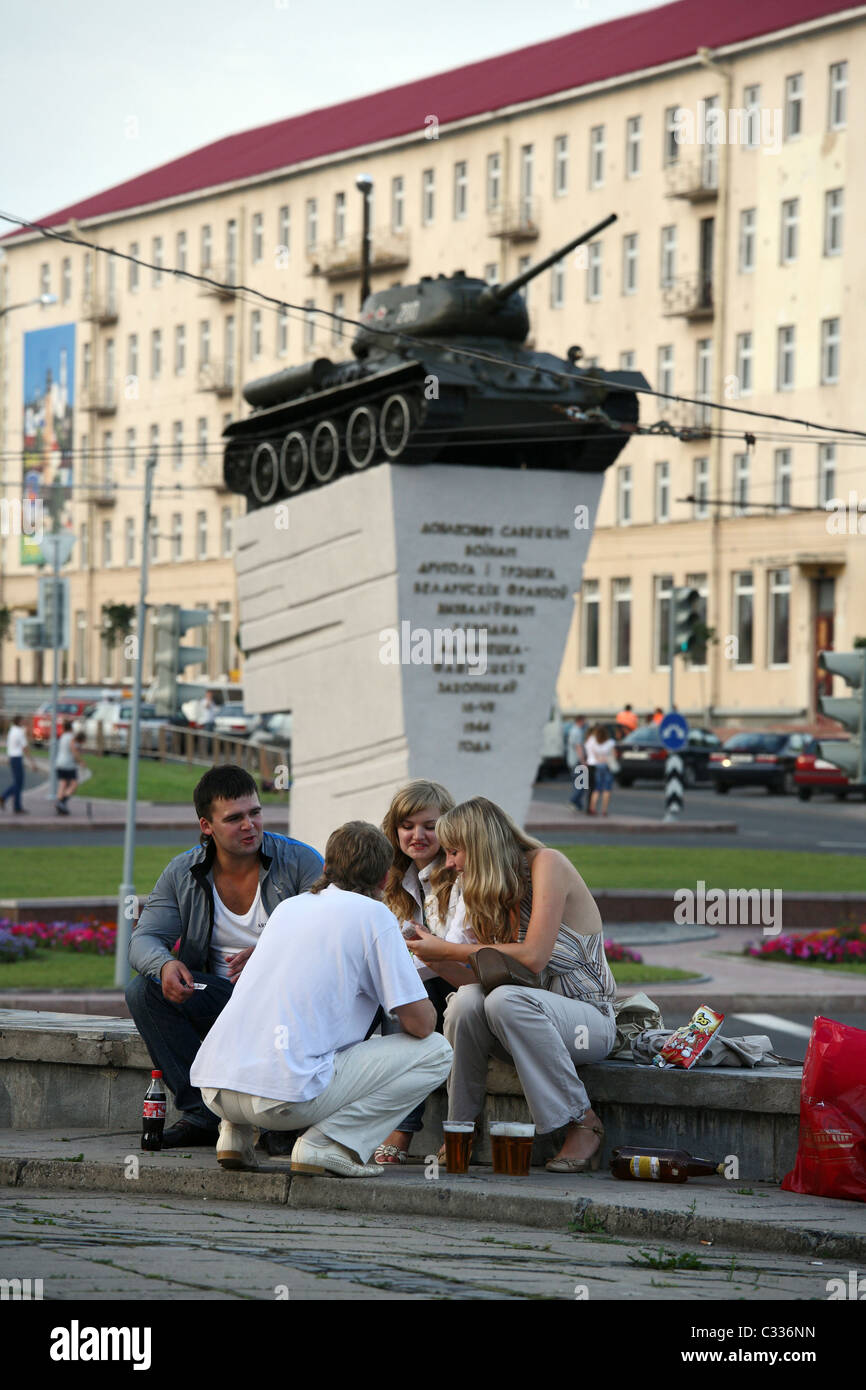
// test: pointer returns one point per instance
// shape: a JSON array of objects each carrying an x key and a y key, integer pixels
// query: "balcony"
[
  {"x": 689, "y": 297},
  {"x": 99, "y": 308},
  {"x": 515, "y": 222},
  {"x": 696, "y": 180},
  {"x": 341, "y": 260},
  {"x": 100, "y": 397},
  {"x": 226, "y": 273},
  {"x": 103, "y": 492},
  {"x": 218, "y": 377}
]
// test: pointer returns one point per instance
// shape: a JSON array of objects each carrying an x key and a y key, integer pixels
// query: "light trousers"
[
  {"x": 375, "y": 1083},
  {"x": 545, "y": 1035}
]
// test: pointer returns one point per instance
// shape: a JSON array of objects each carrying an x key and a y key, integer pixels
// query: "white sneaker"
[
  {"x": 314, "y": 1152},
  {"x": 235, "y": 1146}
]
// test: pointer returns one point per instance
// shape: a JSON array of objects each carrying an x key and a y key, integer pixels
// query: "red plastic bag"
[{"x": 831, "y": 1155}]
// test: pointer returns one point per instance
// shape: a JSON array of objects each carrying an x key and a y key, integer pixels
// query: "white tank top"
[{"x": 234, "y": 931}]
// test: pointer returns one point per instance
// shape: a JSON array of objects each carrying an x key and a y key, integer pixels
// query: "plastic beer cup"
[
  {"x": 518, "y": 1141},
  {"x": 497, "y": 1145},
  {"x": 458, "y": 1140}
]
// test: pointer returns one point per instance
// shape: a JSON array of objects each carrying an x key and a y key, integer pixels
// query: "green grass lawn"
[
  {"x": 612, "y": 866},
  {"x": 157, "y": 782}
]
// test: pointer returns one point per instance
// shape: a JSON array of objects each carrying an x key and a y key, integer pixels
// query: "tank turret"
[{"x": 438, "y": 373}]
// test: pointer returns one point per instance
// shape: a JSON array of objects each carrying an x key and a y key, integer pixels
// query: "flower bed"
[
  {"x": 615, "y": 952},
  {"x": 97, "y": 938},
  {"x": 838, "y": 946}
]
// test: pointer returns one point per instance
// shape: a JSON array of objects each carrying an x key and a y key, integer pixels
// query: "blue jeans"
[
  {"x": 438, "y": 991},
  {"x": 173, "y": 1034},
  {"x": 16, "y": 767}
]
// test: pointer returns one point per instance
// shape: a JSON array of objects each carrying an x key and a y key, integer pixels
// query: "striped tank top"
[{"x": 578, "y": 967}]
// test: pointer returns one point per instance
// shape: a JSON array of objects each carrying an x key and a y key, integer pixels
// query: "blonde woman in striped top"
[{"x": 532, "y": 904}]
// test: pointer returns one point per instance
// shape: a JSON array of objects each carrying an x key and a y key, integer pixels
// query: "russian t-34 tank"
[{"x": 439, "y": 374}]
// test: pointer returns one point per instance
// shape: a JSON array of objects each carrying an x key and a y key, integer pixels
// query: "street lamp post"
[{"x": 365, "y": 184}]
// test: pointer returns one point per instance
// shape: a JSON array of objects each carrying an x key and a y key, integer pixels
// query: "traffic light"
[
  {"x": 170, "y": 657},
  {"x": 688, "y": 622},
  {"x": 850, "y": 711}
]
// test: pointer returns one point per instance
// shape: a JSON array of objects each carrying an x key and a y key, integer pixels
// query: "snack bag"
[
  {"x": 831, "y": 1155},
  {"x": 684, "y": 1047}
]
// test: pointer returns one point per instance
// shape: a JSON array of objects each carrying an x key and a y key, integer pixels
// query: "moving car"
[
  {"x": 761, "y": 759},
  {"x": 40, "y": 724},
  {"x": 642, "y": 756},
  {"x": 813, "y": 773}
]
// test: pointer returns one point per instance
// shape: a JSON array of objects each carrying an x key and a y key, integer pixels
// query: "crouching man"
[{"x": 288, "y": 1051}]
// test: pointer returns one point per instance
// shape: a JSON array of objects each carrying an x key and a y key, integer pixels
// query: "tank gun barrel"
[{"x": 499, "y": 293}]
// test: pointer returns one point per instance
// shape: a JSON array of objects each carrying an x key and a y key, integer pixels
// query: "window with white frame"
[
  {"x": 794, "y": 106},
  {"x": 589, "y": 625},
  {"x": 224, "y": 635},
  {"x": 752, "y": 107},
  {"x": 282, "y": 331},
  {"x": 826, "y": 474},
  {"x": 257, "y": 237},
  {"x": 621, "y": 593},
  {"x": 226, "y": 530},
  {"x": 156, "y": 353},
  {"x": 785, "y": 357},
  {"x": 81, "y": 630},
  {"x": 629, "y": 263},
  {"x": 284, "y": 230},
  {"x": 309, "y": 323},
  {"x": 744, "y": 616},
  {"x": 255, "y": 335},
  {"x": 338, "y": 306},
  {"x": 86, "y": 365},
  {"x": 703, "y": 381},
  {"x": 779, "y": 624},
  {"x": 744, "y": 363},
  {"x": 527, "y": 180},
  {"x": 790, "y": 237},
  {"x": 156, "y": 258},
  {"x": 132, "y": 274},
  {"x": 176, "y": 535},
  {"x": 669, "y": 256},
  {"x": 782, "y": 477},
  {"x": 201, "y": 535},
  {"x": 231, "y": 249},
  {"x": 712, "y": 117},
  {"x": 206, "y": 248},
  {"x": 106, "y": 545},
  {"x": 45, "y": 278},
  {"x": 663, "y": 585},
  {"x": 130, "y": 451},
  {"x": 666, "y": 369},
  {"x": 201, "y": 438},
  {"x": 596, "y": 156},
  {"x": 829, "y": 352},
  {"x": 312, "y": 223},
  {"x": 129, "y": 541},
  {"x": 560, "y": 165},
  {"x": 494, "y": 182},
  {"x": 593, "y": 271},
  {"x": 671, "y": 143},
  {"x": 132, "y": 355},
  {"x": 177, "y": 443},
  {"x": 837, "y": 114},
  {"x": 491, "y": 273},
  {"x": 627, "y": 361},
  {"x": 340, "y": 218},
  {"x": 180, "y": 349},
  {"x": 623, "y": 495},
  {"x": 180, "y": 251},
  {"x": 461, "y": 185},
  {"x": 109, "y": 370},
  {"x": 557, "y": 285},
  {"x": 663, "y": 491},
  {"x": 632, "y": 146},
  {"x": 523, "y": 263},
  {"x": 741, "y": 484},
  {"x": 65, "y": 280},
  {"x": 88, "y": 276},
  {"x": 153, "y": 442},
  {"x": 428, "y": 196},
  {"x": 834, "y": 206},
  {"x": 204, "y": 342},
  {"x": 398, "y": 203},
  {"x": 748, "y": 225},
  {"x": 229, "y": 355},
  {"x": 701, "y": 489}
]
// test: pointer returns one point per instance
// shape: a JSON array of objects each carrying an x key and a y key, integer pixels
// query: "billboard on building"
[{"x": 49, "y": 401}]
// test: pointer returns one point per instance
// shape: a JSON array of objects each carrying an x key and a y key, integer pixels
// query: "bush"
[
  {"x": 96, "y": 937},
  {"x": 837, "y": 946}
]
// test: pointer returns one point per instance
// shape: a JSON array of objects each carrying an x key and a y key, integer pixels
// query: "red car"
[
  {"x": 40, "y": 724},
  {"x": 813, "y": 773}
]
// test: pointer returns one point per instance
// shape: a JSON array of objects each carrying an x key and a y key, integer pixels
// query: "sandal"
[
  {"x": 579, "y": 1165},
  {"x": 389, "y": 1153}
]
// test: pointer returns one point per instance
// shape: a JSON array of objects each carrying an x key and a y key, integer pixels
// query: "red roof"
[{"x": 630, "y": 44}]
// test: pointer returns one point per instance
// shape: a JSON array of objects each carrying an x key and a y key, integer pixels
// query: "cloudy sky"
[{"x": 93, "y": 92}]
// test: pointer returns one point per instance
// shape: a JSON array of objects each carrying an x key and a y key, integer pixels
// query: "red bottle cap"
[{"x": 157, "y": 1073}]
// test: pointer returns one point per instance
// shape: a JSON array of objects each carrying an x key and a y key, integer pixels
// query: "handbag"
[{"x": 493, "y": 968}]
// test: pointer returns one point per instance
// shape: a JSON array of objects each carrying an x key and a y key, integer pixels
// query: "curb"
[{"x": 610, "y": 824}]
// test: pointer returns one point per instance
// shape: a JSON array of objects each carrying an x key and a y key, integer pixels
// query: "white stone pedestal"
[{"x": 339, "y": 582}]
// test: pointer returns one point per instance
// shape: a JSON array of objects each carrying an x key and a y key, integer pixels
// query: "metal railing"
[
  {"x": 216, "y": 376},
  {"x": 337, "y": 260},
  {"x": 516, "y": 221},
  {"x": 99, "y": 396},
  {"x": 694, "y": 179},
  {"x": 690, "y": 296}
]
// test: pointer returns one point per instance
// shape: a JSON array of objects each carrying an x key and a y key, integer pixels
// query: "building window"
[
  {"x": 752, "y": 107},
  {"x": 340, "y": 219},
  {"x": 790, "y": 230},
  {"x": 108, "y": 460},
  {"x": 461, "y": 201},
  {"x": 398, "y": 204},
  {"x": 663, "y": 585},
  {"x": 748, "y": 223},
  {"x": 829, "y": 352},
  {"x": 527, "y": 179},
  {"x": 826, "y": 473},
  {"x": 201, "y": 433},
  {"x": 204, "y": 342},
  {"x": 226, "y": 530},
  {"x": 627, "y": 361},
  {"x": 180, "y": 251},
  {"x": 785, "y": 340},
  {"x": 156, "y": 258},
  {"x": 662, "y": 492},
  {"x": 106, "y": 544},
  {"x": 589, "y": 627},
  {"x": 231, "y": 249},
  {"x": 180, "y": 349},
  {"x": 132, "y": 355},
  {"x": 741, "y": 484},
  {"x": 523, "y": 263},
  {"x": 176, "y": 535},
  {"x": 206, "y": 248},
  {"x": 557, "y": 285},
  {"x": 671, "y": 143},
  {"x": 283, "y": 230},
  {"x": 834, "y": 201},
  {"x": 86, "y": 367},
  {"x": 129, "y": 541},
  {"x": 132, "y": 281},
  {"x": 309, "y": 323},
  {"x": 156, "y": 353},
  {"x": 338, "y": 308},
  {"x": 704, "y": 381},
  {"x": 837, "y": 117},
  {"x": 629, "y": 263},
  {"x": 593, "y": 271},
  {"x": 491, "y": 273},
  {"x": 84, "y": 545},
  {"x": 177, "y": 443},
  {"x": 153, "y": 447},
  {"x": 255, "y": 335},
  {"x": 257, "y": 237},
  {"x": 794, "y": 106},
  {"x": 428, "y": 196},
  {"x": 669, "y": 256},
  {"x": 701, "y": 489},
  {"x": 596, "y": 156},
  {"x": 282, "y": 331},
  {"x": 560, "y": 165},
  {"x": 130, "y": 452},
  {"x": 494, "y": 182},
  {"x": 65, "y": 280},
  {"x": 201, "y": 535},
  {"x": 744, "y": 616},
  {"x": 621, "y": 624},
  {"x": 623, "y": 495},
  {"x": 88, "y": 277},
  {"x": 229, "y": 339},
  {"x": 81, "y": 645},
  {"x": 632, "y": 146},
  {"x": 782, "y": 478},
  {"x": 710, "y": 149},
  {"x": 780, "y": 617},
  {"x": 666, "y": 369},
  {"x": 744, "y": 364}
]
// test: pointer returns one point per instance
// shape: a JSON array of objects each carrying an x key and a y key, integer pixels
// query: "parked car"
[
  {"x": 642, "y": 756},
  {"x": 813, "y": 773},
  {"x": 761, "y": 759},
  {"x": 40, "y": 724},
  {"x": 275, "y": 731},
  {"x": 115, "y": 719},
  {"x": 234, "y": 722},
  {"x": 552, "y": 747}
]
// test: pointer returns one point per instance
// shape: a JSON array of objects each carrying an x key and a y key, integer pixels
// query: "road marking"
[{"x": 782, "y": 1025}]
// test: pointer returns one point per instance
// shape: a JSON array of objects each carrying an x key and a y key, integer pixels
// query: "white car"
[{"x": 115, "y": 719}]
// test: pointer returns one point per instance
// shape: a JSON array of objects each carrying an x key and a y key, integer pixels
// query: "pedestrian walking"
[
  {"x": 600, "y": 751},
  {"x": 575, "y": 756},
  {"x": 16, "y": 752},
  {"x": 68, "y": 762}
]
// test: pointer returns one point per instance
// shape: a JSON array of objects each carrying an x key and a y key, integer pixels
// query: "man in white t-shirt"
[
  {"x": 288, "y": 1050},
  {"x": 16, "y": 751}
]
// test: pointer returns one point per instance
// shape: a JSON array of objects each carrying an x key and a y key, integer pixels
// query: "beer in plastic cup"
[
  {"x": 512, "y": 1148},
  {"x": 458, "y": 1141},
  {"x": 497, "y": 1145}
]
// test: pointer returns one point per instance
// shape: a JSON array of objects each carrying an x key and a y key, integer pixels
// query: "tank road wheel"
[
  {"x": 324, "y": 451},
  {"x": 361, "y": 435},
  {"x": 265, "y": 473},
  {"x": 395, "y": 425},
  {"x": 294, "y": 462},
  {"x": 236, "y": 467}
]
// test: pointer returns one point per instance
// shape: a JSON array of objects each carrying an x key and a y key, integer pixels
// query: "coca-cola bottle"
[
  {"x": 153, "y": 1115},
  {"x": 661, "y": 1165}
]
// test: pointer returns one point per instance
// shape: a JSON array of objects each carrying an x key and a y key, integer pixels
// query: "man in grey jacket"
[{"x": 215, "y": 900}]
